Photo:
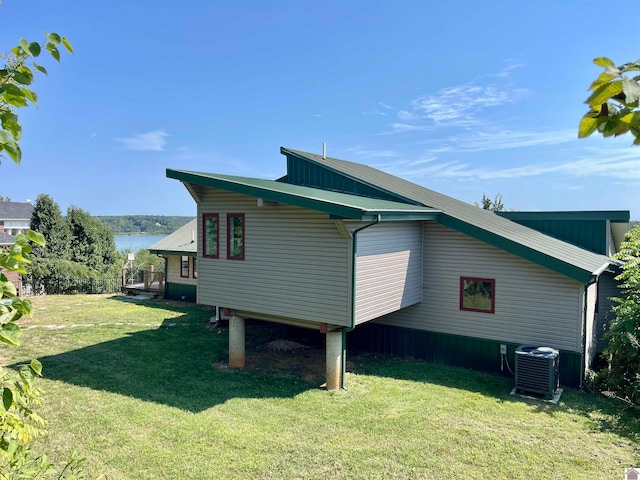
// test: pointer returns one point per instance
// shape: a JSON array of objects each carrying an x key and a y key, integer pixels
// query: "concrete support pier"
[
  {"x": 236, "y": 342},
  {"x": 334, "y": 360}
]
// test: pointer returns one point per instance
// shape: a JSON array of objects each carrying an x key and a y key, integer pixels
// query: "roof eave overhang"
[
  {"x": 172, "y": 252},
  {"x": 338, "y": 211},
  {"x": 572, "y": 271},
  {"x": 371, "y": 216}
]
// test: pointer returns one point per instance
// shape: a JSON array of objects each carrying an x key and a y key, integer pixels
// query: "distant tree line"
[{"x": 143, "y": 224}]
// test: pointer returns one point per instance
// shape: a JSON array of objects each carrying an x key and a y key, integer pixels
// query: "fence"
[{"x": 69, "y": 285}]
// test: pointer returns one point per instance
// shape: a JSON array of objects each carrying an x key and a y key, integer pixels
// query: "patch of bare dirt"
[{"x": 281, "y": 350}]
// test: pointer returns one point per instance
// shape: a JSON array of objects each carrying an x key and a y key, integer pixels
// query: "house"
[
  {"x": 15, "y": 217},
  {"x": 179, "y": 251},
  {"x": 375, "y": 261},
  {"x": 14, "y": 277}
]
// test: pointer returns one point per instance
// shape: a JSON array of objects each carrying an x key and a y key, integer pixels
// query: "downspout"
[{"x": 354, "y": 253}]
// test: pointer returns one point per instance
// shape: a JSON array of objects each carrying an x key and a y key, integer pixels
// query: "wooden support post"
[
  {"x": 236, "y": 342},
  {"x": 334, "y": 360}
]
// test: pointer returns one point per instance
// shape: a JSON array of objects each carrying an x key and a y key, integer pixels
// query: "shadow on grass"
[
  {"x": 180, "y": 364},
  {"x": 603, "y": 414}
]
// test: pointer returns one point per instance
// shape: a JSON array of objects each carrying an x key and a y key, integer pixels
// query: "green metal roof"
[
  {"x": 338, "y": 205},
  {"x": 616, "y": 216},
  {"x": 559, "y": 256},
  {"x": 180, "y": 242}
]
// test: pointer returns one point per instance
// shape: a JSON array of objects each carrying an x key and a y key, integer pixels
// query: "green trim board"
[
  {"x": 172, "y": 252},
  {"x": 616, "y": 216},
  {"x": 340, "y": 205},
  {"x": 468, "y": 352},
  {"x": 582, "y": 275}
]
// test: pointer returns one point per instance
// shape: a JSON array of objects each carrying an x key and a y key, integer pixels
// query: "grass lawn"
[{"x": 139, "y": 388}]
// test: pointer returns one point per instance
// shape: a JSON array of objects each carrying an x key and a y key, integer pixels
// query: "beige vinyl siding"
[
  {"x": 296, "y": 263},
  {"x": 533, "y": 305},
  {"x": 173, "y": 271},
  {"x": 388, "y": 268},
  {"x": 590, "y": 323}
]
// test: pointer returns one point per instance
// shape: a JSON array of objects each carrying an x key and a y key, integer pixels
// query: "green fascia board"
[
  {"x": 615, "y": 216},
  {"x": 308, "y": 157},
  {"x": 173, "y": 252},
  {"x": 339, "y": 205},
  {"x": 572, "y": 271}
]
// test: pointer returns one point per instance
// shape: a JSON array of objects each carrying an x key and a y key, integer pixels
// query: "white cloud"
[
  {"x": 506, "y": 71},
  {"x": 406, "y": 127},
  {"x": 460, "y": 105},
  {"x": 372, "y": 153},
  {"x": 619, "y": 164},
  {"x": 384, "y": 105},
  {"x": 504, "y": 139},
  {"x": 151, "y": 141}
]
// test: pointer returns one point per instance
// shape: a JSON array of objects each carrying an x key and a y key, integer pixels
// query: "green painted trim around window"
[
  {"x": 468, "y": 352},
  {"x": 563, "y": 268}
]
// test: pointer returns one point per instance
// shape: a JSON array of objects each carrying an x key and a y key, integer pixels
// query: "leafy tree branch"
[
  {"x": 613, "y": 103},
  {"x": 16, "y": 76}
]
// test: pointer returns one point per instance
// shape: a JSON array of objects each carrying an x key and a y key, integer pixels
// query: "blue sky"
[{"x": 464, "y": 97}]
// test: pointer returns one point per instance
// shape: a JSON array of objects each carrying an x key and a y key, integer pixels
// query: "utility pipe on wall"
[{"x": 354, "y": 254}]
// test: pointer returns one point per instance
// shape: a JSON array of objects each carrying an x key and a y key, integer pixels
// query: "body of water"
[{"x": 136, "y": 242}]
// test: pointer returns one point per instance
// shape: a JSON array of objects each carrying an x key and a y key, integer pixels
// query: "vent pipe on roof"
[
  {"x": 324, "y": 150},
  {"x": 193, "y": 236}
]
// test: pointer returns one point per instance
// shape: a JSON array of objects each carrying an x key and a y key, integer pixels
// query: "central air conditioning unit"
[{"x": 537, "y": 370}]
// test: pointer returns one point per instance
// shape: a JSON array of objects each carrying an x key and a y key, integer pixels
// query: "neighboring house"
[
  {"x": 179, "y": 251},
  {"x": 14, "y": 277},
  {"x": 376, "y": 261},
  {"x": 15, "y": 217}
]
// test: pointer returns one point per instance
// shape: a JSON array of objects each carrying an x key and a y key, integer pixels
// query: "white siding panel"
[
  {"x": 532, "y": 304},
  {"x": 296, "y": 264},
  {"x": 388, "y": 269}
]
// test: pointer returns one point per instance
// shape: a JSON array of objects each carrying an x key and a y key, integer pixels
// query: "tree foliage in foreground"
[
  {"x": 19, "y": 421},
  {"x": 623, "y": 374},
  {"x": 614, "y": 101},
  {"x": 16, "y": 77}
]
